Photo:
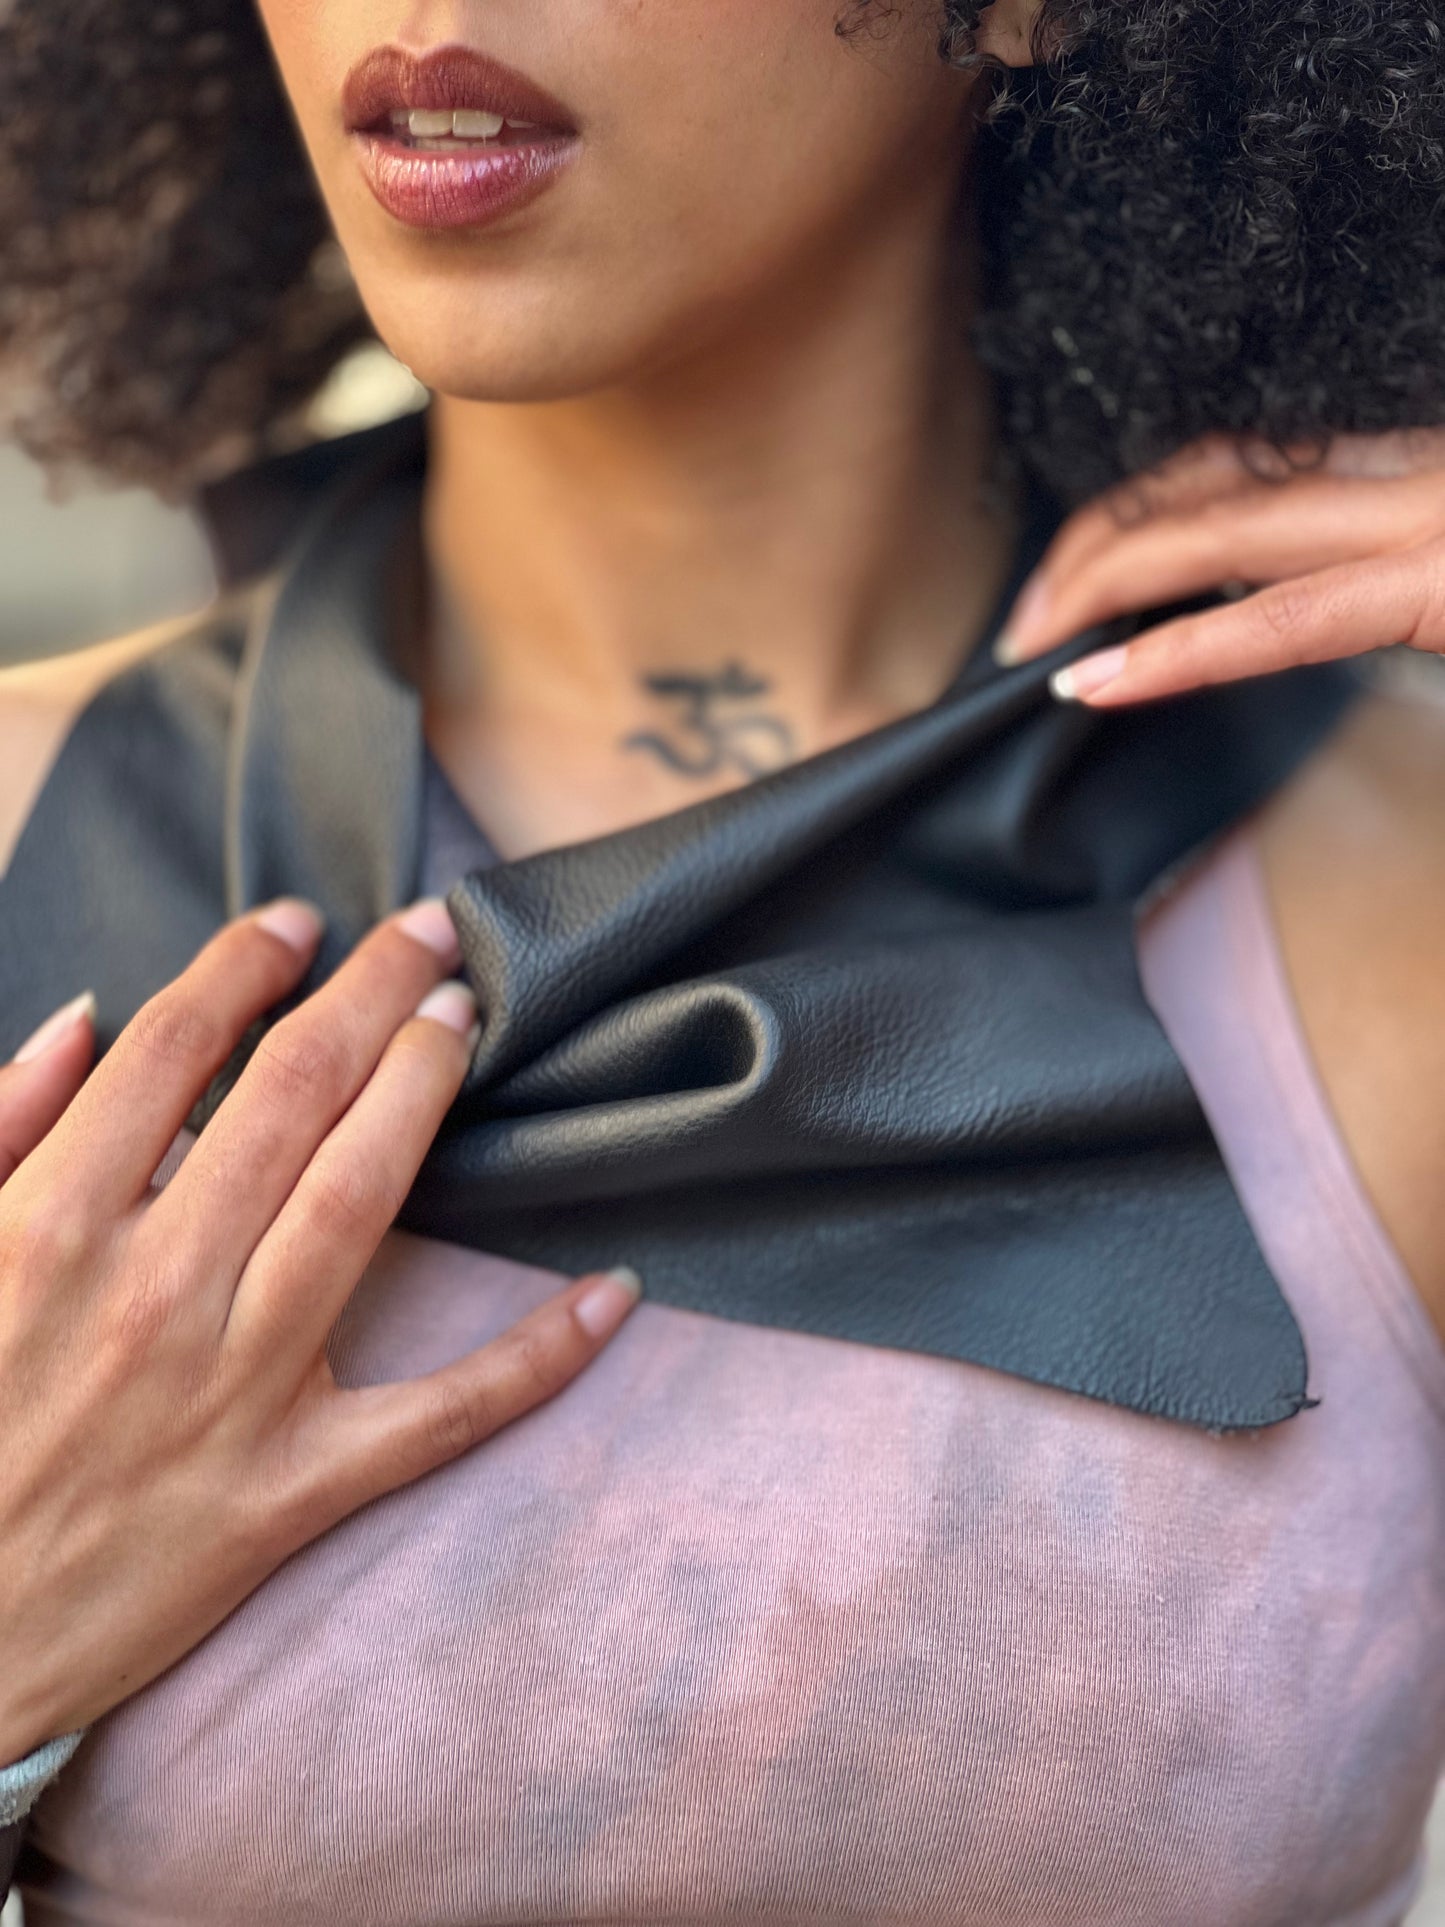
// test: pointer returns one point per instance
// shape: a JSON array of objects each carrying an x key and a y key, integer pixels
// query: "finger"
[
  {"x": 1220, "y": 467},
  {"x": 300, "y": 1079},
  {"x": 1263, "y": 533},
  {"x": 1325, "y": 617},
  {"x": 306, "y": 1266},
  {"x": 1401, "y": 451},
  {"x": 125, "y": 1117},
  {"x": 384, "y": 1436},
  {"x": 42, "y": 1078},
  {"x": 1206, "y": 471}
]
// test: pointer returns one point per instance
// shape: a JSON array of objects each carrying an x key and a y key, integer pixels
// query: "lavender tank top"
[{"x": 753, "y": 1626}]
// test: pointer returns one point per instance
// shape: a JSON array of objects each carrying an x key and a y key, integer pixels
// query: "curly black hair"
[{"x": 1197, "y": 215}]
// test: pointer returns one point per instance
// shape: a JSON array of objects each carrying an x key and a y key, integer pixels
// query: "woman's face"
[{"x": 731, "y": 158}]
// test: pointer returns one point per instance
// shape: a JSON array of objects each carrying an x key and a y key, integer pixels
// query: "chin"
[{"x": 482, "y": 344}]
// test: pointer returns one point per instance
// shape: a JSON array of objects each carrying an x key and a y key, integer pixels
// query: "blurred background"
[{"x": 106, "y": 562}]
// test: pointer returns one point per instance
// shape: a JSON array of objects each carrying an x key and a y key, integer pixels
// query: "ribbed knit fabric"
[{"x": 750, "y": 1626}]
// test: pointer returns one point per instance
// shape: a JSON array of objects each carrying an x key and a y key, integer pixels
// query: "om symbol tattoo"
[{"x": 711, "y": 733}]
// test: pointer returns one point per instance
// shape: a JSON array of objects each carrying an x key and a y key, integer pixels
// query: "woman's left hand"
[{"x": 1342, "y": 558}]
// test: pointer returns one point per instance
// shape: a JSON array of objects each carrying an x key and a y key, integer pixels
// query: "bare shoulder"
[
  {"x": 40, "y": 700},
  {"x": 1354, "y": 854}
]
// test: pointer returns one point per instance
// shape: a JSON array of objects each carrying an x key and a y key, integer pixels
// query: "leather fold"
[{"x": 859, "y": 1049}]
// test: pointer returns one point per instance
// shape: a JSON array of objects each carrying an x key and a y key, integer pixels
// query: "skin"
[
  {"x": 1345, "y": 554},
  {"x": 675, "y": 423},
  {"x": 704, "y": 403}
]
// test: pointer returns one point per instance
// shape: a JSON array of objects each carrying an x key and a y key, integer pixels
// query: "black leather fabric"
[{"x": 858, "y": 1050}]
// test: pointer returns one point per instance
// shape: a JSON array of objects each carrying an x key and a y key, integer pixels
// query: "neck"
[{"x": 792, "y": 524}]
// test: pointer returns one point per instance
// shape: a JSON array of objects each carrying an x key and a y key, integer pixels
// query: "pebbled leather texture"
[{"x": 859, "y": 1050}]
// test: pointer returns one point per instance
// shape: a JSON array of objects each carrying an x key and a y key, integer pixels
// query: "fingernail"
[
  {"x": 1027, "y": 613},
  {"x": 1089, "y": 675},
  {"x": 430, "y": 922},
  {"x": 600, "y": 1311},
  {"x": 295, "y": 921},
  {"x": 56, "y": 1027},
  {"x": 1006, "y": 650},
  {"x": 451, "y": 1004}
]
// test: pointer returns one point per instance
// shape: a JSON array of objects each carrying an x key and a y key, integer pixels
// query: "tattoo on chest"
[{"x": 720, "y": 722}]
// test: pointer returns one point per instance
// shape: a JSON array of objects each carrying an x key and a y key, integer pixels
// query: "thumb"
[{"x": 41, "y": 1079}]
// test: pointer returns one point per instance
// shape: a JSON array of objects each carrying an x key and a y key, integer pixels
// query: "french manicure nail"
[
  {"x": 451, "y": 1004},
  {"x": 1027, "y": 613},
  {"x": 1006, "y": 650},
  {"x": 1089, "y": 675},
  {"x": 600, "y": 1311},
  {"x": 56, "y": 1027},
  {"x": 430, "y": 922},
  {"x": 297, "y": 922}
]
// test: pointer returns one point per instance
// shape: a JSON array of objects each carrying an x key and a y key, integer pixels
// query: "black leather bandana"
[{"x": 858, "y": 1050}]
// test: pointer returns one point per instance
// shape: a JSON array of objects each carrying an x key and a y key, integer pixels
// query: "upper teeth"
[{"x": 462, "y": 123}]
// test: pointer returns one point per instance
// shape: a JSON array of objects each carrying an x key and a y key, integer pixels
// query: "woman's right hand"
[{"x": 170, "y": 1430}]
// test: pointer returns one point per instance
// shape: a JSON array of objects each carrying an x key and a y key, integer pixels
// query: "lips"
[
  {"x": 392, "y": 81},
  {"x": 452, "y": 138}
]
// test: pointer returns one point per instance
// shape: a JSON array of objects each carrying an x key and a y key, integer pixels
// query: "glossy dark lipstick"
[{"x": 452, "y": 138}]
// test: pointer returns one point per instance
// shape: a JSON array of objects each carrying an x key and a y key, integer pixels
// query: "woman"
[{"x": 807, "y": 937}]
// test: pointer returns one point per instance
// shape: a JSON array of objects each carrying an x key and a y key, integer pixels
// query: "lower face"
[{"x": 706, "y": 163}]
